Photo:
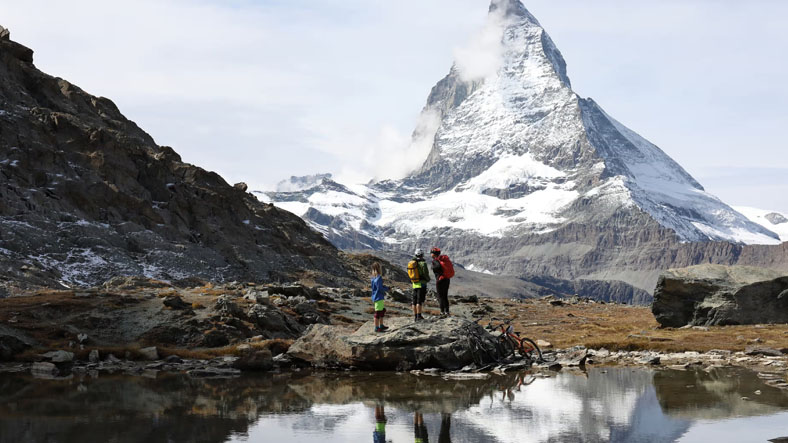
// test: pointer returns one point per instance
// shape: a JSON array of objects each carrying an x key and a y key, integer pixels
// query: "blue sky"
[{"x": 261, "y": 90}]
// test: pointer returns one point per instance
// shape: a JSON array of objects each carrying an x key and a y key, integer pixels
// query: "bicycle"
[{"x": 511, "y": 342}]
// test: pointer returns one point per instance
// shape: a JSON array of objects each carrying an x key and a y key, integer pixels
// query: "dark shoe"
[{"x": 383, "y": 328}]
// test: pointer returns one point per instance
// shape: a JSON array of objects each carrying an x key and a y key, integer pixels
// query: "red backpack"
[{"x": 446, "y": 266}]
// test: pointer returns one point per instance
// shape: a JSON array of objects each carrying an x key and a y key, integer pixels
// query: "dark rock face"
[
  {"x": 85, "y": 195},
  {"x": 10, "y": 346},
  {"x": 718, "y": 295},
  {"x": 445, "y": 344},
  {"x": 13, "y": 342},
  {"x": 775, "y": 218}
]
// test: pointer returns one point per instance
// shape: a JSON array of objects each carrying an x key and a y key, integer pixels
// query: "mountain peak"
[{"x": 509, "y": 7}]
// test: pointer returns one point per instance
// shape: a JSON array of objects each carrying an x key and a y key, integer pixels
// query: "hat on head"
[
  {"x": 435, "y": 250},
  {"x": 419, "y": 253}
]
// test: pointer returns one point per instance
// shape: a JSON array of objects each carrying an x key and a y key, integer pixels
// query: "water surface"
[{"x": 618, "y": 405}]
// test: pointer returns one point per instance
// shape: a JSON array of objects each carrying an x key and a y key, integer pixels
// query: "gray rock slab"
[{"x": 715, "y": 295}]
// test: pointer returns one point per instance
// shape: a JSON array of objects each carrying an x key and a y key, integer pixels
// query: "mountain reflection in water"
[{"x": 618, "y": 405}]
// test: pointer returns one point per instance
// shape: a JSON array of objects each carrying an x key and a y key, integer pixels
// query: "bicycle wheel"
[{"x": 529, "y": 347}]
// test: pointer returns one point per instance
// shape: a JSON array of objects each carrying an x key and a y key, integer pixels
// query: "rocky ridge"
[{"x": 85, "y": 195}]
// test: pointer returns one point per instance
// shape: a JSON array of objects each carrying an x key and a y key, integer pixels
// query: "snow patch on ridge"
[{"x": 512, "y": 170}]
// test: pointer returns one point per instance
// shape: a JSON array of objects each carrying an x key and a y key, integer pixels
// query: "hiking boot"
[{"x": 383, "y": 328}]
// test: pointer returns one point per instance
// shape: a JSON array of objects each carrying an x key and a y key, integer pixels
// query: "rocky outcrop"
[
  {"x": 721, "y": 295},
  {"x": 85, "y": 195},
  {"x": 776, "y": 218},
  {"x": 449, "y": 343},
  {"x": 13, "y": 342}
]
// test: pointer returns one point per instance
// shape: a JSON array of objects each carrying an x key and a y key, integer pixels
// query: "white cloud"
[
  {"x": 482, "y": 56},
  {"x": 385, "y": 154}
]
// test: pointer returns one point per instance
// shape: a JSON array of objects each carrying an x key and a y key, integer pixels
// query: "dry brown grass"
[
  {"x": 342, "y": 319},
  {"x": 619, "y": 327},
  {"x": 276, "y": 346}
]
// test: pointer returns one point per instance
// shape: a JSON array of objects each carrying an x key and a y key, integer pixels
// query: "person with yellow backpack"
[{"x": 419, "y": 277}]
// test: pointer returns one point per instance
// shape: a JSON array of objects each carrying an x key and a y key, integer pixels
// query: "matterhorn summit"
[{"x": 525, "y": 177}]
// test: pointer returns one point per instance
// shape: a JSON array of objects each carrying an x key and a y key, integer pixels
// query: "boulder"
[
  {"x": 10, "y": 345},
  {"x": 768, "y": 352},
  {"x": 227, "y": 307},
  {"x": 274, "y": 322},
  {"x": 449, "y": 343},
  {"x": 59, "y": 356},
  {"x": 241, "y": 186},
  {"x": 574, "y": 358},
  {"x": 544, "y": 344},
  {"x": 399, "y": 296},
  {"x": 175, "y": 302},
  {"x": 150, "y": 353},
  {"x": 709, "y": 295},
  {"x": 255, "y": 360},
  {"x": 62, "y": 361},
  {"x": 309, "y": 313},
  {"x": 173, "y": 359},
  {"x": 94, "y": 356}
]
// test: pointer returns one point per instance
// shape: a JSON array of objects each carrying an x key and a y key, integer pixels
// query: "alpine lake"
[{"x": 599, "y": 405}]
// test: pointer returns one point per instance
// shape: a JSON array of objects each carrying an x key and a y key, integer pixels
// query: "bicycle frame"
[{"x": 525, "y": 346}]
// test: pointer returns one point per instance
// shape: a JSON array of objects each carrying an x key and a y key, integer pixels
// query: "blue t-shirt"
[{"x": 378, "y": 290}]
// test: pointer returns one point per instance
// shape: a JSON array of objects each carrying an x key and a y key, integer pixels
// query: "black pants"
[
  {"x": 419, "y": 295},
  {"x": 443, "y": 294}
]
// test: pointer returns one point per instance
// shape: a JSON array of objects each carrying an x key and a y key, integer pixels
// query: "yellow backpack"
[{"x": 413, "y": 271}]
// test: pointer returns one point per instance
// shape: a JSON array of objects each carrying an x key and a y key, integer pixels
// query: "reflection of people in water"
[
  {"x": 379, "y": 436},
  {"x": 445, "y": 434},
  {"x": 419, "y": 430}
]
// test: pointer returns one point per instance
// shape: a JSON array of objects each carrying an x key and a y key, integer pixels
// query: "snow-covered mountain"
[{"x": 526, "y": 176}]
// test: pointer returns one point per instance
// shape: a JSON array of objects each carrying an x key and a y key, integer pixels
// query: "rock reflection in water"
[
  {"x": 717, "y": 394},
  {"x": 620, "y": 405}
]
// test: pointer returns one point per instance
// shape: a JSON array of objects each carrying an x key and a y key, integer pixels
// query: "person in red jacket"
[{"x": 444, "y": 271}]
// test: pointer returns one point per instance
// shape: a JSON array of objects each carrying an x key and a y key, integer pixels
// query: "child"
[
  {"x": 378, "y": 294},
  {"x": 379, "y": 435}
]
